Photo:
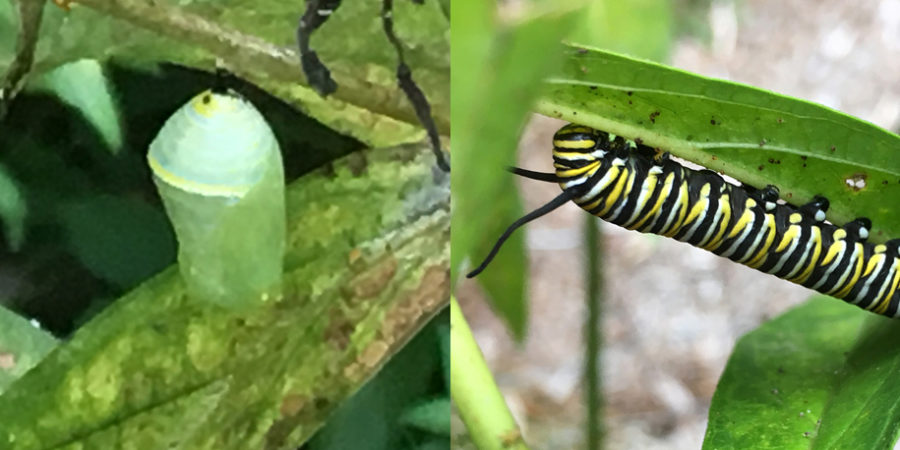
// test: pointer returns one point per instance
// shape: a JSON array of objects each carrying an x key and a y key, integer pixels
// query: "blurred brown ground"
[{"x": 671, "y": 312}]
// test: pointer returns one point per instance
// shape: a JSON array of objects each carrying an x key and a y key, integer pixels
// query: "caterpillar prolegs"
[{"x": 638, "y": 188}]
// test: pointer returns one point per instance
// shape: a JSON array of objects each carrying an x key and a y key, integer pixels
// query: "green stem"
[
  {"x": 593, "y": 337},
  {"x": 240, "y": 51},
  {"x": 475, "y": 393}
]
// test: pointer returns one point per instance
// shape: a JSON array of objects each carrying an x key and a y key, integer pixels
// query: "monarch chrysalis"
[
  {"x": 218, "y": 169},
  {"x": 635, "y": 187}
]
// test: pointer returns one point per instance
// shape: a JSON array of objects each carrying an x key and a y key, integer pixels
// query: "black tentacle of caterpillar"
[
  {"x": 317, "y": 13},
  {"x": 319, "y": 77},
  {"x": 638, "y": 188}
]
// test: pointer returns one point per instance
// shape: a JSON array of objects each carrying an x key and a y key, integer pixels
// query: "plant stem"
[
  {"x": 239, "y": 50},
  {"x": 475, "y": 393},
  {"x": 593, "y": 338}
]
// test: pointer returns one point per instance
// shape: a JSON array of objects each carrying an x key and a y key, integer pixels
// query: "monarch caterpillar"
[
  {"x": 218, "y": 169},
  {"x": 638, "y": 188}
]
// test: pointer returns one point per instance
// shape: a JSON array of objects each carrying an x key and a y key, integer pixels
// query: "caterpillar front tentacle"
[
  {"x": 560, "y": 200},
  {"x": 539, "y": 176},
  {"x": 858, "y": 228},
  {"x": 768, "y": 195},
  {"x": 816, "y": 209}
]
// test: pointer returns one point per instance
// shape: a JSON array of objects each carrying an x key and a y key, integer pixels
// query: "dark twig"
[
  {"x": 410, "y": 88},
  {"x": 317, "y": 13},
  {"x": 30, "y": 15}
]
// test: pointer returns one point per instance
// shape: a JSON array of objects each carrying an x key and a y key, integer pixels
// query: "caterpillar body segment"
[{"x": 641, "y": 189}]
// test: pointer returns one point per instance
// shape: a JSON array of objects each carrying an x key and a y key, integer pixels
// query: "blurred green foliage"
[
  {"x": 12, "y": 210},
  {"x": 30, "y": 343},
  {"x": 508, "y": 51},
  {"x": 83, "y": 86},
  {"x": 640, "y": 28},
  {"x": 491, "y": 102},
  {"x": 396, "y": 410}
]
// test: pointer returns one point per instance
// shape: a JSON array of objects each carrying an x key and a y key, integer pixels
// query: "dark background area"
[{"x": 95, "y": 227}]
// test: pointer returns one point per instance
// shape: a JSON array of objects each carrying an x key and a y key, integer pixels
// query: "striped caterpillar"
[
  {"x": 218, "y": 169},
  {"x": 638, "y": 188}
]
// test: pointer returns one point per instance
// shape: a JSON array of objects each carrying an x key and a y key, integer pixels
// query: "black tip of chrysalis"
[{"x": 225, "y": 83}]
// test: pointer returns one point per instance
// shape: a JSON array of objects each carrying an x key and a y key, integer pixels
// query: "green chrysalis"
[{"x": 218, "y": 169}]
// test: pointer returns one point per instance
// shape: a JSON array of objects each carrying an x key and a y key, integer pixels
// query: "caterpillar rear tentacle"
[
  {"x": 640, "y": 188},
  {"x": 560, "y": 200},
  {"x": 319, "y": 77}
]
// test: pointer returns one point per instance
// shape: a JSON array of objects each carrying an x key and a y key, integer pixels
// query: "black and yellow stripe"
[{"x": 640, "y": 189}]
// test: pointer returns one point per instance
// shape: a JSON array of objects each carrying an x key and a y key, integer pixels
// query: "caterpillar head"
[{"x": 575, "y": 146}]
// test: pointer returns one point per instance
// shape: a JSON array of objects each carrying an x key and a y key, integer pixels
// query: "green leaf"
[
  {"x": 863, "y": 409},
  {"x": 818, "y": 376},
  {"x": 756, "y": 136},
  {"x": 9, "y": 29},
  {"x": 13, "y": 209},
  {"x": 432, "y": 416},
  {"x": 491, "y": 100},
  {"x": 443, "y": 332},
  {"x": 22, "y": 346},
  {"x": 377, "y": 411},
  {"x": 435, "y": 443},
  {"x": 164, "y": 426},
  {"x": 83, "y": 85},
  {"x": 122, "y": 241},
  {"x": 360, "y": 281}
]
